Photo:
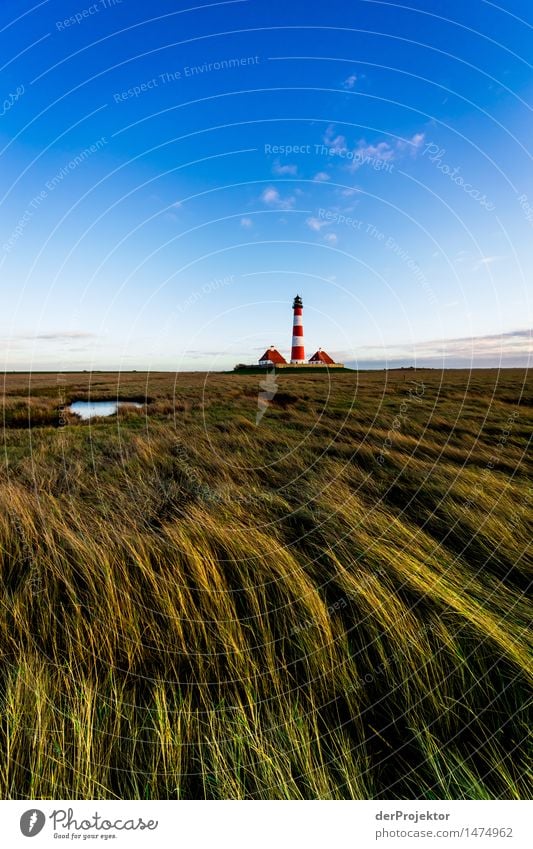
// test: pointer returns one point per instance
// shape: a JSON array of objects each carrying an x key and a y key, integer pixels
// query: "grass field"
[{"x": 331, "y": 603}]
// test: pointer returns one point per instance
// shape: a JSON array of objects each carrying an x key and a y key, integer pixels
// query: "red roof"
[
  {"x": 273, "y": 356},
  {"x": 321, "y": 357}
]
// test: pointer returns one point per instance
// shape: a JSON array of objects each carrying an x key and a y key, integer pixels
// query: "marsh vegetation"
[{"x": 331, "y": 604}]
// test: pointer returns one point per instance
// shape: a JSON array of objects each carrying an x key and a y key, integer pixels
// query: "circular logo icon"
[{"x": 32, "y": 822}]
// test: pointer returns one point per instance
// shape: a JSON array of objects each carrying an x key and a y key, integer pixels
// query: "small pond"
[{"x": 89, "y": 409}]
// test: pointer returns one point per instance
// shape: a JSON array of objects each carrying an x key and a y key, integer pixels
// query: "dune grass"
[{"x": 330, "y": 604}]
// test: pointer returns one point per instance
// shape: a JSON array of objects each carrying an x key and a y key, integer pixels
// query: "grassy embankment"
[{"x": 331, "y": 604}]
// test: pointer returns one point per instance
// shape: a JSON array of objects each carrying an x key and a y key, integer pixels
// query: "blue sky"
[{"x": 172, "y": 176}]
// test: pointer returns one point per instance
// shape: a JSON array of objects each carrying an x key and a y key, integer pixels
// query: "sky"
[{"x": 172, "y": 174}]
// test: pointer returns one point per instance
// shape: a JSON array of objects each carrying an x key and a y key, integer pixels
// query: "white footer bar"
[{"x": 276, "y": 825}]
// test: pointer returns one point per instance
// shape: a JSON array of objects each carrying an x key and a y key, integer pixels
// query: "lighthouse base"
[{"x": 289, "y": 368}]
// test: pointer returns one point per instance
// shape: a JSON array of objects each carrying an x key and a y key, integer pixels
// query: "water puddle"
[{"x": 89, "y": 409}]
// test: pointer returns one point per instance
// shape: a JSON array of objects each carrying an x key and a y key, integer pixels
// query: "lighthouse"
[
  {"x": 272, "y": 359},
  {"x": 297, "y": 352}
]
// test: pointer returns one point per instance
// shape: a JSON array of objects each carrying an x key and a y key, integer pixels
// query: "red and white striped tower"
[{"x": 297, "y": 352}]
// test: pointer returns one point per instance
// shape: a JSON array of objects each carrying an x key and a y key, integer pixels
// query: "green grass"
[{"x": 331, "y": 604}]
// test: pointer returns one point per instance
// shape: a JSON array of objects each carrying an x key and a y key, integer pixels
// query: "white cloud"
[
  {"x": 461, "y": 256},
  {"x": 485, "y": 261},
  {"x": 381, "y": 150},
  {"x": 331, "y": 238},
  {"x": 280, "y": 170},
  {"x": 247, "y": 223},
  {"x": 316, "y": 224},
  {"x": 350, "y": 81},
  {"x": 271, "y": 197},
  {"x": 62, "y": 340},
  {"x": 377, "y": 153},
  {"x": 334, "y": 141},
  {"x": 321, "y": 177},
  {"x": 59, "y": 335},
  {"x": 417, "y": 140},
  {"x": 514, "y": 343},
  {"x": 411, "y": 145}
]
